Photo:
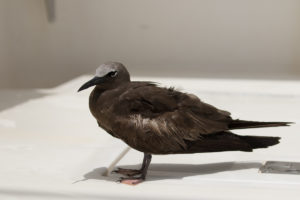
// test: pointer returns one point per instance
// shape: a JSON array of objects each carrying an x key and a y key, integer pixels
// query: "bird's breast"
[{"x": 101, "y": 106}]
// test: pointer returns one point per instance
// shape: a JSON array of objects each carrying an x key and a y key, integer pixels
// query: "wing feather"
[{"x": 168, "y": 116}]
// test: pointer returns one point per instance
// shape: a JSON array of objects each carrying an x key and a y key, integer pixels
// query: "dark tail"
[
  {"x": 241, "y": 124},
  {"x": 227, "y": 141},
  {"x": 260, "y": 141}
]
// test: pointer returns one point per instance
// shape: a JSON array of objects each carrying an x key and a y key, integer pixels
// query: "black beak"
[{"x": 96, "y": 80}]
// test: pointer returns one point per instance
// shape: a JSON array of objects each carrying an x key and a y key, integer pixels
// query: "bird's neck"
[
  {"x": 102, "y": 88},
  {"x": 97, "y": 91}
]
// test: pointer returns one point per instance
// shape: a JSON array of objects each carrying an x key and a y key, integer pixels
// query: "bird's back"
[
  {"x": 160, "y": 120},
  {"x": 154, "y": 119}
]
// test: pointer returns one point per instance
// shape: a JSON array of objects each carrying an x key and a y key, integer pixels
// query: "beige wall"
[
  {"x": 218, "y": 38},
  {"x": 4, "y": 81}
]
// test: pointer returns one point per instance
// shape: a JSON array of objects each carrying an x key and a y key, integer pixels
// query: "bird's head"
[{"x": 108, "y": 75}]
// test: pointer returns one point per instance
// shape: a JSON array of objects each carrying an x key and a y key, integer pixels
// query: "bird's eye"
[{"x": 112, "y": 74}]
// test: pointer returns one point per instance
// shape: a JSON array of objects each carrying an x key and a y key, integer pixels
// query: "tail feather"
[
  {"x": 242, "y": 124},
  {"x": 260, "y": 141},
  {"x": 227, "y": 141}
]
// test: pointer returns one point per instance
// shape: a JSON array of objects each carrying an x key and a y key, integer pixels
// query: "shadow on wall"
[{"x": 11, "y": 98}]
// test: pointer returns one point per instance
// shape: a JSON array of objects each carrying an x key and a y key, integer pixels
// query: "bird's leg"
[
  {"x": 143, "y": 172},
  {"x": 131, "y": 172}
]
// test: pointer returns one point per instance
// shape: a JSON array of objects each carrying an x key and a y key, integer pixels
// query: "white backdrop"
[{"x": 199, "y": 38}]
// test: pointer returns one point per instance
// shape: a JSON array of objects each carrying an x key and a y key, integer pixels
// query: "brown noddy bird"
[{"x": 157, "y": 120}]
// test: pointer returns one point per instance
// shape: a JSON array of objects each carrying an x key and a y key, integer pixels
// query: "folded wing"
[{"x": 168, "y": 117}]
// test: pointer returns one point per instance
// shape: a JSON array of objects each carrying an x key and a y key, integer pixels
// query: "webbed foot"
[
  {"x": 131, "y": 181},
  {"x": 128, "y": 172}
]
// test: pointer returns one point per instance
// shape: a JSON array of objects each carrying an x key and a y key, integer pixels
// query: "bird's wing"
[{"x": 168, "y": 114}]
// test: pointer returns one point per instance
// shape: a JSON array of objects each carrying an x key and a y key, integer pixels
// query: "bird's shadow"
[{"x": 158, "y": 171}]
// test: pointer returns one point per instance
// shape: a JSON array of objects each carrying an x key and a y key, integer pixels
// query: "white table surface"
[{"x": 52, "y": 148}]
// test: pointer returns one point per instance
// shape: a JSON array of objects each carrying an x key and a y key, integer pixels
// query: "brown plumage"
[{"x": 157, "y": 120}]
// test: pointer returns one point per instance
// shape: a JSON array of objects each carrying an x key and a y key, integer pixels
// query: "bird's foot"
[
  {"x": 128, "y": 172},
  {"x": 131, "y": 181}
]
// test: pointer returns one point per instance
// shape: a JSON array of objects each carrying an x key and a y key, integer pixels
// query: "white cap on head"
[{"x": 107, "y": 67}]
